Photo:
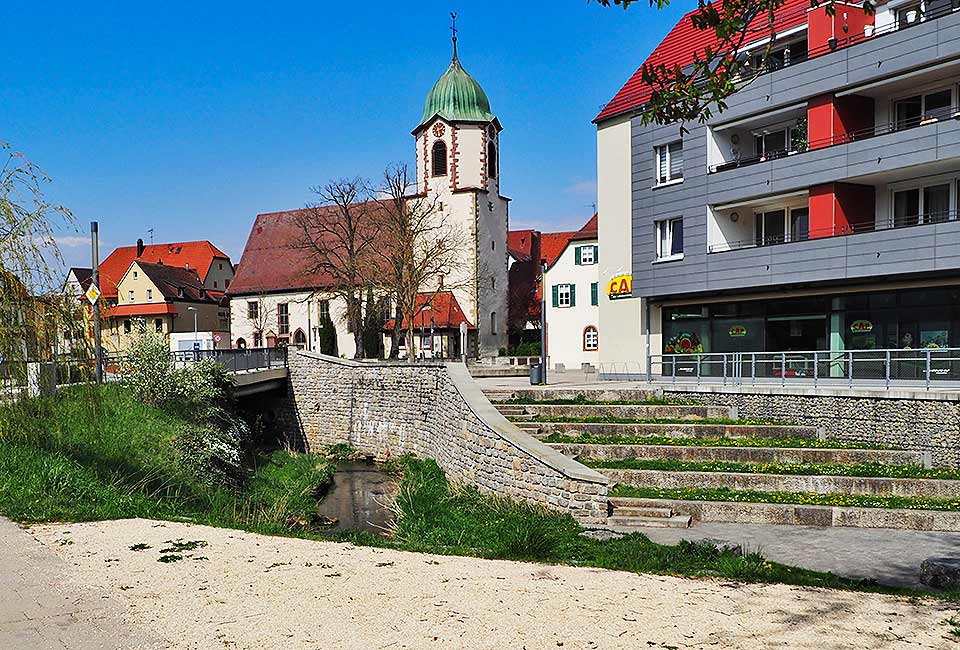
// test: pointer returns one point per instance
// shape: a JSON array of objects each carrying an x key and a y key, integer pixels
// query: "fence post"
[
  {"x": 649, "y": 368},
  {"x": 724, "y": 362},
  {"x": 816, "y": 367},
  {"x": 928, "y": 368},
  {"x": 850, "y": 369},
  {"x": 887, "y": 369},
  {"x": 783, "y": 368},
  {"x": 753, "y": 368},
  {"x": 699, "y": 358}
]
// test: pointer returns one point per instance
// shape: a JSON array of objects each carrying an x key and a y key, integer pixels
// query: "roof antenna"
[
  {"x": 453, "y": 28},
  {"x": 150, "y": 230}
]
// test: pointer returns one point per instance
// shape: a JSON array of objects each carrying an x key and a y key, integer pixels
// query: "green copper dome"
[{"x": 457, "y": 97}]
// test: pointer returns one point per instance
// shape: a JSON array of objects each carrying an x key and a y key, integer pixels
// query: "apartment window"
[
  {"x": 585, "y": 255},
  {"x": 921, "y": 109},
  {"x": 257, "y": 340},
  {"x": 158, "y": 324},
  {"x": 324, "y": 310},
  {"x": 134, "y": 275},
  {"x": 221, "y": 266},
  {"x": 918, "y": 205},
  {"x": 670, "y": 162},
  {"x": 780, "y": 56},
  {"x": 253, "y": 311},
  {"x": 149, "y": 294},
  {"x": 591, "y": 338},
  {"x": 564, "y": 295},
  {"x": 772, "y": 145},
  {"x": 214, "y": 284},
  {"x": 594, "y": 293},
  {"x": 127, "y": 326},
  {"x": 226, "y": 283},
  {"x": 283, "y": 318},
  {"x": 799, "y": 224},
  {"x": 670, "y": 239}
]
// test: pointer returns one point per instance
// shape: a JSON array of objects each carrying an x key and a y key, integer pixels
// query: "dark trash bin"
[{"x": 536, "y": 374}]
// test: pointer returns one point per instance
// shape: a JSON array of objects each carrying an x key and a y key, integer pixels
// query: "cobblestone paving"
[{"x": 38, "y": 611}]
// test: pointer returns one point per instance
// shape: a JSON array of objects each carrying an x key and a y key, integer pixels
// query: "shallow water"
[{"x": 359, "y": 498}]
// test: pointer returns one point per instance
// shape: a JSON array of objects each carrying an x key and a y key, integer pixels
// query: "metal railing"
[
  {"x": 929, "y": 117},
  {"x": 921, "y": 367},
  {"x": 236, "y": 360},
  {"x": 904, "y": 221}
]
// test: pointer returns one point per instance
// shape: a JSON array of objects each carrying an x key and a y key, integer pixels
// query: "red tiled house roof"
[
  {"x": 683, "y": 41},
  {"x": 442, "y": 306},
  {"x": 196, "y": 255},
  {"x": 520, "y": 244},
  {"x": 275, "y": 261}
]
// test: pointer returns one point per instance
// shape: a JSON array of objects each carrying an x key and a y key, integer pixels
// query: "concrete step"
[
  {"x": 498, "y": 395},
  {"x": 633, "y": 411},
  {"x": 676, "y": 521},
  {"x": 775, "y": 455},
  {"x": 511, "y": 410},
  {"x": 642, "y": 511}
]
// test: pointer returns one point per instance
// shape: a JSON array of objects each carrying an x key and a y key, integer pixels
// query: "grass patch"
[
  {"x": 607, "y": 419},
  {"x": 780, "y": 443},
  {"x": 583, "y": 400},
  {"x": 803, "y": 469},
  {"x": 98, "y": 453},
  {"x": 799, "y": 498}
]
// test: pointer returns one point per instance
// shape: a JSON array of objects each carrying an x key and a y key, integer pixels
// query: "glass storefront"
[{"x": 907, "y": 320}]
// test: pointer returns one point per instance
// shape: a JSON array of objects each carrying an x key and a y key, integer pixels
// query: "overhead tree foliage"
[{"x": 699, "y": 89}]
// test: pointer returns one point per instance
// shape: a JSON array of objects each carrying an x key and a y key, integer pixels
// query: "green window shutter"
[
  {"x": 556, "y": 295},
  {"x": 573, "y": 295},
  {"x": 596, "y": 254},
  {"x": 594, "y": 293},
  {"x": 576, "y": 253}
]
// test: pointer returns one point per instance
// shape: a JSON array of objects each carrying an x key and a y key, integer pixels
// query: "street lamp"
[{"x": 196, "y": 339}]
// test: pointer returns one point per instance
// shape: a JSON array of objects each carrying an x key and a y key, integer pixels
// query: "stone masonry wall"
[{"x": 435, "y": 411}]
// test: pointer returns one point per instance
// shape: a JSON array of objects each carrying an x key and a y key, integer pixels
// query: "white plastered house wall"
[
  {"x": 570, "y": 289},
  {"x": 622, "y": 339},
  {"x": 303, "y": 308}
]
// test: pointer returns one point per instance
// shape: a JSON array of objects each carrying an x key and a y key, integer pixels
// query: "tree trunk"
[
  {"x": 396, "y": 333},
  {"x": 355, "y": 312},
  {"x": 411, "y": 346}
]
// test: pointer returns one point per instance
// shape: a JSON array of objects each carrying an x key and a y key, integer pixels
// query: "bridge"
[{"x": 252, "y": 371}]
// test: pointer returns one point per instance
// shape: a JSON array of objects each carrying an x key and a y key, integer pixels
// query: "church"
[{"x": 276, "y": 300}]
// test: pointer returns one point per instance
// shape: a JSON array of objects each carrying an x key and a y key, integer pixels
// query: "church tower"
[{"x": 458, "y": 165}]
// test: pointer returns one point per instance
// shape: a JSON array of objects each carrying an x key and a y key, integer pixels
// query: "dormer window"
[{"x": 440, "y": 158}]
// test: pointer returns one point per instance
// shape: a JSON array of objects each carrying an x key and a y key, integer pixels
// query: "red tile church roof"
[{"x": 680, "y": 44}]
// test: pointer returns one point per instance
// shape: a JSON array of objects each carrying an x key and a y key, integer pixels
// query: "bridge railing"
[{"x": 236, "y": 360}]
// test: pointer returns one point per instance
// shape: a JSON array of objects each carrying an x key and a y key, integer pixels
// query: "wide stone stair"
[{"x": 674, "y": 464}]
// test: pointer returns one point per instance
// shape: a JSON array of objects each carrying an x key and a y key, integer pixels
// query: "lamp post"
[
  {"x": 543, "y": 322},
  {"x": 196, "y": 338}
]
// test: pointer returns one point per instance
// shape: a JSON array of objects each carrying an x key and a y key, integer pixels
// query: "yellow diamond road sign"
[{"x": 93, "y": 294}]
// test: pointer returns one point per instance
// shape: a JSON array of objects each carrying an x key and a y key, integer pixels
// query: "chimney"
[{"x": 139, "y": 247}]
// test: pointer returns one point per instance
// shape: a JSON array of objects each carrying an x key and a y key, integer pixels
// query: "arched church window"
[
  {"x": 440, "y": 158},
  {"x": 491, "y": 160}
]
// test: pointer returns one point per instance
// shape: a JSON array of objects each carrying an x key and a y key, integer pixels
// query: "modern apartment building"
[{"x": 817, "y": 212}]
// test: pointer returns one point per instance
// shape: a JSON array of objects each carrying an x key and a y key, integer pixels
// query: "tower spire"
[{"x": 453, "y": 28}]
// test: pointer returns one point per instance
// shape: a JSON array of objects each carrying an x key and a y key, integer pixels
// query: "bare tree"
[
  {"x": 423, "y": 252},
  {"x": 339, "y": 235},
  {"x": 259, "y": 316}
]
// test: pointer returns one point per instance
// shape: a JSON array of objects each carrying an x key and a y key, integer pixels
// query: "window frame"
[
  {"x": 253, "y": 310},
  {"x": 587, "y": 338},
  {"x": 283, "y": 319},
  {"x": 658, "y": 231},
  {"x": 664, "y": 176},
  {"x": 579, "y": 257},
  {"x": 561, "y": 296}
]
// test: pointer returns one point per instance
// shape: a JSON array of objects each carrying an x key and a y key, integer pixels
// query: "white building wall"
[
  {"x": 621, "y": 334},
  {"x": 566, "y": 325},
  {"x": 304, "y": 311}
]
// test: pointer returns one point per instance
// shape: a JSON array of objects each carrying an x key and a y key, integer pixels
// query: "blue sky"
[{"x": 191, "y": 118}]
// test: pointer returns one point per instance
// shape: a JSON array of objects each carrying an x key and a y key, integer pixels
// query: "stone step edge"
[
  {"x": 630, "y": 521},
  {"x": 792, "y": 514},
  {"x": 920, "y": 459}
]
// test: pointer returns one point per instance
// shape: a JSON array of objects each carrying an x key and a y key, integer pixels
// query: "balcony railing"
[
  {"x": 929, "y": 117},
  {"x": 905, "y": 221}
]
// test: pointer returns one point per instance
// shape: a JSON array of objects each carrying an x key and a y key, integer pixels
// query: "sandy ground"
[{"x": 250, "y": 591}]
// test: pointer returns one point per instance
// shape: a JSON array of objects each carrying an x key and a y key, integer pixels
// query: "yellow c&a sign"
[{"x": 620, "y": 287}]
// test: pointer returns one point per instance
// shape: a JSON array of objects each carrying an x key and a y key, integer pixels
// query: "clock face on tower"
[{"x": 439, "y": 129}]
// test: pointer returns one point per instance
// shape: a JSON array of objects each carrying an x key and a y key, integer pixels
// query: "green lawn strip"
[
  {"x": 608, "y": 419},
  {"x": 787, "y": 443},
  {"x": 98, "y": 454},
  {"x": 580, "y": 400},
  {"x": 804, "y": 469},
  {"x": 793, "y": 498}
]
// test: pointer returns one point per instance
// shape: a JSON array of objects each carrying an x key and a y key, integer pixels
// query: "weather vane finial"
[{"x": 453, "y": 28}]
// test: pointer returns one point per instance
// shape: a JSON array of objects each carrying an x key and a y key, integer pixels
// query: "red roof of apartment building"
[
  {"x": 520, "y": 244},
  {"x": 145, "y": 309},
  {"x": 195, "y": 255},
  {"x": 683, "y": 41},
  {"x": 275, "y": 259},
  {"x": 442, "y": 306}
]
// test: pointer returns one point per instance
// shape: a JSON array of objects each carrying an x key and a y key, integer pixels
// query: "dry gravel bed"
[{"x": 243, "y": 590}]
